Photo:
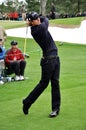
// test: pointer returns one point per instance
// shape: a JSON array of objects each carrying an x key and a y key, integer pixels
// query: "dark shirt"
[{"x": 43, "y": 37}]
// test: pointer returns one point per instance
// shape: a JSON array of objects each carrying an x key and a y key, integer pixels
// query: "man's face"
[
  {"x": 14, "y": 47},
  {"x": 33, "y": 22}
]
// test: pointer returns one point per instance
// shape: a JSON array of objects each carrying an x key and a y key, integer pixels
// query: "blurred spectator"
[
  {"x": 23, "y": 16},
  {"x": 52, "y": 11},
  {"x": 10, "y": 15},
  {"x": 2, "y": 64},
  {"x": 52, "y": 15},
  {"x": 53, "y": 7},
  {"x": 3, "y": 34},
  {"x": 15, "y": 16},
  {"x": 15, "y": 61}
]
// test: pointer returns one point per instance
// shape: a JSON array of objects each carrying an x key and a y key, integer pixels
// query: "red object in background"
[
  {"x": 10, "y": 15},
  {"x": 15, "y": 15}
]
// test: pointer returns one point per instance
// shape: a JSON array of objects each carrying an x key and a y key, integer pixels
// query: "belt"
[{"x": 50, "y": 57}]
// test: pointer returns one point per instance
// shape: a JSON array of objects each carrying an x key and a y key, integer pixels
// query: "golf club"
[{"x": 25, "y": 44}]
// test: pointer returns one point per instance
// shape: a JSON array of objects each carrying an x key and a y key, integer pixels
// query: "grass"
[
  {"x": 73, "y": 92},
  {"x": 68, "y": 22},
  {"x": 76, "y": 21},
  {"x": 12, "y": 24}
]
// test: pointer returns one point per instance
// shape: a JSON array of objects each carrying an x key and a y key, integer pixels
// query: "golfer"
[{"x": 50, "y": 64}]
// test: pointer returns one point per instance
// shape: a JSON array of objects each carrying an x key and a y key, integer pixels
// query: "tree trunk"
[
  {"x": 78, "y": 5},
  {"x": 43, "y": 7}
]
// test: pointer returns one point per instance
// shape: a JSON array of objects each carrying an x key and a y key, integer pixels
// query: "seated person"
[
  {"x": 2, "y": 65},
  {"x": 15, "y": 61}
]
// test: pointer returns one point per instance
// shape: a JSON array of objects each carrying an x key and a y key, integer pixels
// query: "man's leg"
[
  {"x": 13, "y": 68},
  {"x": 22, "y": 67},
  {"x": 16, "y": 67},
  {"x": 55, "y": 91},
  {"x": 31, "y": 98}
]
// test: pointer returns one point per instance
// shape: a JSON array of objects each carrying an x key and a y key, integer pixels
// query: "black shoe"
[
  {"x": 53, "y": 114},
  {"x": 26, "y": 106},
  {"x": 25, "y": 109}
]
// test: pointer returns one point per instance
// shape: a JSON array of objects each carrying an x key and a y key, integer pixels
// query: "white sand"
[{"x": 75, "y": 35}]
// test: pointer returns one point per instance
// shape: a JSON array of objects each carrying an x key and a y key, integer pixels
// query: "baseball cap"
[
  {"x": 14, "y": 43},
  {"x": 0, "y": 39},
  {"x": 32, "y": 16}
]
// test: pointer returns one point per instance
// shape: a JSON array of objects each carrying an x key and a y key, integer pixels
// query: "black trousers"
[
  {"x": 17, "y": 67},
  {"x": 50, "y": 72}
]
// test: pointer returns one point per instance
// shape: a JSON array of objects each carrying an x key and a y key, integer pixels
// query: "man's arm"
[{"x": 44, "y": 21}]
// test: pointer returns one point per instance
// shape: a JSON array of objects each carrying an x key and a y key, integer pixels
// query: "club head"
[{"x": 26, "y": 55}]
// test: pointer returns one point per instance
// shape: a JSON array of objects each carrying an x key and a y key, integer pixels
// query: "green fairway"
[
  {"x": 12, "y": 24},
  {"x": 68, "y": 22},
  {"x": 65, "y": 22},
  {"x": 73, "y": 92}
]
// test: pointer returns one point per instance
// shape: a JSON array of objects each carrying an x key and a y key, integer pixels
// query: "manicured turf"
[
  {"x": 73, "y": 92},
  {"x": 12, "y": 24},
  {"x": 70, "y": 22}
]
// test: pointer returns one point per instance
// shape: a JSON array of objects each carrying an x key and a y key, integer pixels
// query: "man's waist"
[
  {"x": 50, "y": 57},
  {"x": 50, "y": 53}
]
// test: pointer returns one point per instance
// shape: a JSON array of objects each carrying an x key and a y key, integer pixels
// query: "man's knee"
[
  {"x": 23, "y": 62},
  {"x": 44, "y": 82}
]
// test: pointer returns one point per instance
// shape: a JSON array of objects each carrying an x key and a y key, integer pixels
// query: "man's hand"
[{"x": 28, "y": 22}]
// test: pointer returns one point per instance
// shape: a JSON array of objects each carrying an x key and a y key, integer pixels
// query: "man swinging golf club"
[{"x": 50, "y": 64}]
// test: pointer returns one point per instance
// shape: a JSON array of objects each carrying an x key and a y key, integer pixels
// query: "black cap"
[
  {"x": 14, "y": 43},
  {"x": 0, "y": 39},
  {"x": 32, "y": 16}
]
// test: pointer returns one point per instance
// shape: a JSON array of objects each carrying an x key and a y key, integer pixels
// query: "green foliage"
[
  {"x": 7, "y": 8},
  {"x": 62, "y": 6},
  {"x": 33, "y": 5},
  {"x": 67, "y": 6}
]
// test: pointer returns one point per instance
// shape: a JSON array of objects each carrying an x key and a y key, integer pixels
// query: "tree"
[
  {"x": 67, "y": 6},
  {"x": 33, "y": 5},
  {"x": 43, "y": 7},
  {"x": 37, "y": 5}
]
